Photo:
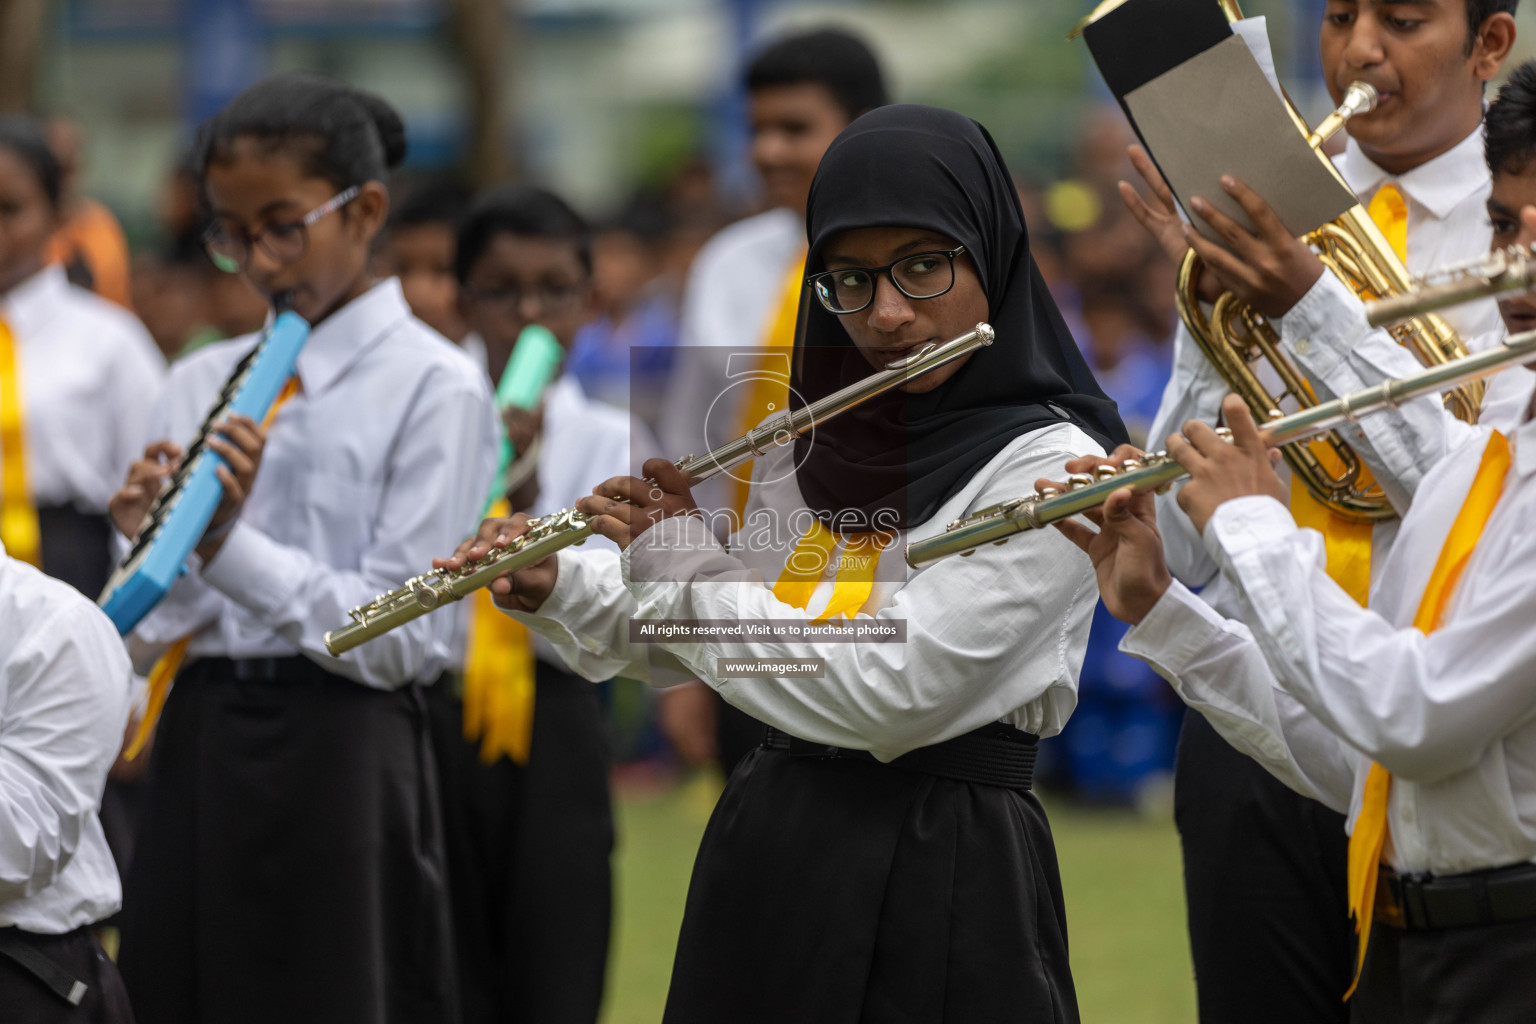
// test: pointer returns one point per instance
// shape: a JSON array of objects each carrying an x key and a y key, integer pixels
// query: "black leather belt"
[
  {"x": 1495, "y": 896},
  {"x": 994, "y": 755},
  {"x": 293, "y": 669}
]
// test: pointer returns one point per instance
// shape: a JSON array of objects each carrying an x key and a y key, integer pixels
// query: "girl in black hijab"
[{"x": 881, "y": 856}]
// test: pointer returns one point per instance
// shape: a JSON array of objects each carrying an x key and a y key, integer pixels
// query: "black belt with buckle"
[
  {"x": 994, "y": 755},
  {"x": 1494, "y": 896}
]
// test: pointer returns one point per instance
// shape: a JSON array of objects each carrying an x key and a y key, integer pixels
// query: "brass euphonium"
[{"x": 1234, "y": 336}]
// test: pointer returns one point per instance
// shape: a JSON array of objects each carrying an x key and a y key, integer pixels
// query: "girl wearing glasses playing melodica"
[
  {"x": 881, "y": 855},
  {"x": 290, "y": 866}
]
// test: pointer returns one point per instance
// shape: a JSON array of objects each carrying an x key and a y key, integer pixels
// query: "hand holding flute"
[
  {"x": 1127, "y": 548},
  {"x": 620, "y": 509}
]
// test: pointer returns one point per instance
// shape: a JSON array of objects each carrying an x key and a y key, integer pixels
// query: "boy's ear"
[{"x": 1495, "y": 39}]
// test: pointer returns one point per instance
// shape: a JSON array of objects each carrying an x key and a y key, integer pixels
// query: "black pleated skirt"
[
  {"x": 839, "y": 891},
  {"x": 290, "y": 864},
  {"x": 528, "y": 858}
]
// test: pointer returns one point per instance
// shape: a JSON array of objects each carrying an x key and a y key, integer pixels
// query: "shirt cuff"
[
  {"x": 569, "y": 597},
  {"x": 1324, "y": 326},
  {"x": 1176, "y": 633},
  {"x": 255, "y": 571},
  {"x": 672, "y": 551},
  {"x": 1246, "y": 524}
]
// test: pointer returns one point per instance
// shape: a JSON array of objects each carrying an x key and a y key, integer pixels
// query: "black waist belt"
[
  {"x": 994, "y": 755},
  {"x": 1495, "y": 896},
  {"x": 22, "y": 948},
  {"x": 293, "y": 669}
]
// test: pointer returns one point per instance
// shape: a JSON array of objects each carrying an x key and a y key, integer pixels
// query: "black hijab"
[{"x": 922, "y": 167}]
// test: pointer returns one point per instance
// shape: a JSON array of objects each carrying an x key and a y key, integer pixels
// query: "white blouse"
[
  {"x": 995, "y": 636},
  {"x": 379, "y": 464},
  {"x": 63, "y": 703},
  {"x": 90, "y": 374}
]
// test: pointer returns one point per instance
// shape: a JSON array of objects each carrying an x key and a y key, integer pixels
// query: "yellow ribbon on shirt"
[
  {"x": 855, "y": 576},
  {"x": 770, "y": 392},
  {"x": 19, "y": 530},
  {"x": 499, "y": 674},
  {"x": 1348, "y": 542},
  {"x": 1369, "y": 837},
  {"x": 163, "y": 674}
]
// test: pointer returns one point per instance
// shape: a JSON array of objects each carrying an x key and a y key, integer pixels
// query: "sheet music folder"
[{"x": 1202, "y": 108}]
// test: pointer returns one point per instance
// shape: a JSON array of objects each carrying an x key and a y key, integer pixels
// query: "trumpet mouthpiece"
[{"x": 1359, "y": 98}]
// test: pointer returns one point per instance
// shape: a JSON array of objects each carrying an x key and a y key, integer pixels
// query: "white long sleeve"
[
  {"x": 997, "y": 635},
  {"x": 1424, "y": 707},
  {"x": 64, "y": 682},
  {"x": 379, "y": 464},
  {"x": 1216, "y": 667}
]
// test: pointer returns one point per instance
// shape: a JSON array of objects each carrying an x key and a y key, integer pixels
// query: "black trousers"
[
  {"x": 290, "y": 866},
  {"x": 26, "y": 999},
  {"x": 841, "y": 892},
  {"x": 1264, "y": 882},
  {"x": 1480, "y": 974},
  {"x": 529, "y": 850}
]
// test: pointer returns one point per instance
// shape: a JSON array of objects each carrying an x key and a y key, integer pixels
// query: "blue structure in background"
[
  {"x": 1126, "y": 726},
  {"x": 224, "y": 50},
  {"x": 730, "y": 138}
]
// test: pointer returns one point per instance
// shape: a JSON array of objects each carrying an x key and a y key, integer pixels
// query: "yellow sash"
[
  {"x": 855, "y": 576},
  {"x": 499, "y": 669},
  {"x": 163, "y": 674},
  {"x": 1369, "y": 837},
  {"x": 19, "y": 531},
  {"x": 1348, "y": 542},
  {"x": 770, "y": 393}
]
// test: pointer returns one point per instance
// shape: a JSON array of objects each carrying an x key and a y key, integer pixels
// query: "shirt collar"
[
  {"x": 1438, "y": 185},
  {"x": 350, "y": 333},
  {"x": 28, "y": 306}
]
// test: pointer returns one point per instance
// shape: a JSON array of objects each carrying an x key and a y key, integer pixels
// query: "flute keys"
[
  {"x": 1077, "y": 481},
  {"x": 1105, "y": 472}
]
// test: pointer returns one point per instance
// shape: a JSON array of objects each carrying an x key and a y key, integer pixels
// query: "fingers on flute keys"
[{"x": 496, "y": 532}]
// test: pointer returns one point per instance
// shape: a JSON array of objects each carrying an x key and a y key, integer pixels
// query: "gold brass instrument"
[
  {"x": 1500, "y": 272},
  {"x": 1235, "y": 337},
  {"x": 549, "y": 534},
  {"x": 1085, "y": 491}
]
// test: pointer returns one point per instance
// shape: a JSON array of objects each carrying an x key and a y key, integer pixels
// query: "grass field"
[{"x": 1125, "y": 907}]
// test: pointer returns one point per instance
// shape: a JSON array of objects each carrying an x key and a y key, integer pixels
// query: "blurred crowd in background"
[
  {"x": 1112, "y": 282},
  {"x": 635, "y": 113}
]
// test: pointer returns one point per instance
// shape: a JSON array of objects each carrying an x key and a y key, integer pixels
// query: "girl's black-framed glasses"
[
  {"x": 923, "y": 275},
  {"x": 285, "y": 243}
]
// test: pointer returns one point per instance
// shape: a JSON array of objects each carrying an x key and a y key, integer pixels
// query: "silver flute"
[
  {"x": 549, "y": 534},
  {"x": 1086, "y": 491},
  {"x": 1498, "y": 273}
]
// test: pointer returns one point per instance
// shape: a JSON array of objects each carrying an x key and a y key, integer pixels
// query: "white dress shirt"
[
  {"x": 995, "y": 636},
  {"x": 1327, "y": 336},
  {"x": 584, "y": 442},
  {"x": 90, "y": 375},
  {"x": 1319, "y": 688},
  {"x": 733, "y": 293},
  {"x": 64, "y": 682},
  {"x": 379, "y": 464}
]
